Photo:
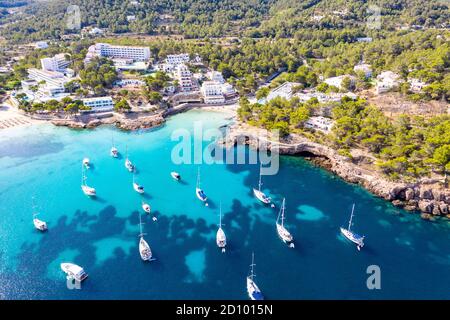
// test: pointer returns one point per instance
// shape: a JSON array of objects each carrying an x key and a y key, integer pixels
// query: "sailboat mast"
[
  {"x": 198, "y": 177},
  {"x": 140, "y": 226},
  {"x": 282, "y": 212},
  {"x": 251, "y": 272},
  {"x": 220, "y": 215},
  {"x": 259, "y": 183},
  {"x": 351, "y": 218}
]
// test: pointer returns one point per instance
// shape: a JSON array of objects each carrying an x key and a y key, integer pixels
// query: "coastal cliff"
[
  {"x": 427, "y": 196},
  {"x": 120, "y": 121}
]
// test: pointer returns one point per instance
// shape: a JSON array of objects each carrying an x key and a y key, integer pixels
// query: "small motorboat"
[
  {"x": 86, "y": 163},
  {"x": 39, "y": 224},
  {"x": 114, "y": 152},
  {"x": 146, "y": 207},
  {"x": 74, "y": 271},
  {"x": 175, "y": 175}
]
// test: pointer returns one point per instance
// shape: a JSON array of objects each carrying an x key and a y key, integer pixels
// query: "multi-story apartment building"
[
  {"x": 124, "y": 52},
  {"x": 51, "y": 78},
  {"x": 99, "y": 104},
  {"x": 215, "y": 76},
  {"x": 56, "y": 63},
  {"x": 212, "y": 92},
  {"x": 184, "y": 77},
  {"x": 176, "y": 59}
]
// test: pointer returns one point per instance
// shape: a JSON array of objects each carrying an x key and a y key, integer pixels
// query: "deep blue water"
[{"x": 102, "y": 235}]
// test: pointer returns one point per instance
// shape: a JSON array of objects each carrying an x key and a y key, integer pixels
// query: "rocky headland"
[{"x": 429, "y": 197}]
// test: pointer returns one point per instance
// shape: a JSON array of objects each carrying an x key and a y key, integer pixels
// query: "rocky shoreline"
[
  {"x": 123, "y": 122},
  {"x": 428, "y": 197}
]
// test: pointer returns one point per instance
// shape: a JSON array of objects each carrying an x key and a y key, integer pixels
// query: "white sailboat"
[
  {"x": 89, "y": 191},
  {"x": 86, "y": 163},
  {"x": 261, "y": 196},
  {"x": 175, "y": 175},
  {"x": 128, "y": 163},
  {"x": 221, "y": 239},
  {"x": 74, "y": 271},
  {"x": 137, "y": 187},
  {"x": 252, "y": 289},
  {"x": 284, "y": 234},
  {"x": 350, "y": 235},
  {"x": 144, "y": 248},
  {"x": 114, "y": 152},
  {"x": 198, "y": 191},
  {"x": 38, "y": 224}
]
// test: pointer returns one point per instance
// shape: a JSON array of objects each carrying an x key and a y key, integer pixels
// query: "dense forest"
[{"x": 216, "y": 18}]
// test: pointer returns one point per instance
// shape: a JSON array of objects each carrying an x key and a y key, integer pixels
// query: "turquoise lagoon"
[{"x": 101, "y": 234}]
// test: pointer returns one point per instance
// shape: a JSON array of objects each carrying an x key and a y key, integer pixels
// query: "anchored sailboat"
[
  {"x": 198, "y": 191},
  {"x": 146, "y": 207},
  {"x": 284, "y": 234},
  {"x": 114, "y": 152},
  {"x": 89, "y": 191},
  {"x": 350, "y": 235},
  {"x": 144, "y": 248},
  {"x": 128, "y": 163},
  {"x": 38, "y": 224},
  {"x": 137, "y": 187},
  {"x": 258, "y": 193},
  {"x": 221, "y": 239},
  {"x": 252, "y": 289}
]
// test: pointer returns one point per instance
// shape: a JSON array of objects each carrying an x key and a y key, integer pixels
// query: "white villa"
[
  {"x": 365, "y": 68},
  {"x": 337, "y": 81},
  {"x": 416, "y": 85},
  {"x": 284, "y": 91},
  {"x": 387, "y": 81},
  {"x": 320, "y": 124},
  {"x": 99, "y": 104}
]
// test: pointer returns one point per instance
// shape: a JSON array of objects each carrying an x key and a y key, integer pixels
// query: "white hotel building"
[
  {"x": 212, "y": 92},
  {"x": 124, "y": 52},
  {"x": 99, "y": 104},
  {"x": 56, "y": 63},
  {"x": 54, "y": 81},
  {"x": 184, "y": 77},
  {"x": 175, "y": 59}
]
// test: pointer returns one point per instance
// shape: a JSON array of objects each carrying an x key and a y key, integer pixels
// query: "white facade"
[
  {"x": 99, "y": 104},
  {"x": 212, "y": 92},
  {"x": 184, "y": 77},
  {"x": 386, "y": 81},
  {"x": 319, "y": 123},
  {"x": 124, "y": 52},
  {"x": 228, "y": 91},
  {"x": 51, "y": 78},
  {"x": 215, "y": 76},
  {"x": 55, "y": 63},
  {"x": 416, "y": 85},
  {"x": 284, "y": 91},
  {"x": 337, "y": 81},
  {"x": 176, "y": 59},
  {"x": 364, "y": 39},
  {"x": 129, "y": 82},
  {"x": 41, "y": 45}
]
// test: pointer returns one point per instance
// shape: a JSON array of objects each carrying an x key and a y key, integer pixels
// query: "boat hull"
[
  {"x": 253, "y": 291},
  {"x": 40, "y": 225},
  {"x": 261, "y": 196},
  {"x": 144, "y": 250},
  {"x": 200, "y": 194},
  {"x": 89, "y": 191},
  {"x": 146, "y": 208},
  {"x": 284, "y": 234},
  {"x": 138, "y": 188},
  {"x": 353, "y": 237},
  {"x": 74, "y": 271},
  {"x": 221, "y": 239}
]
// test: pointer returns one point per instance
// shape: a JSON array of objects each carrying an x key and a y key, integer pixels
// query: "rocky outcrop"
[
  {"x": 124, "y": 122},
  {"x": 429, "y": 197}
]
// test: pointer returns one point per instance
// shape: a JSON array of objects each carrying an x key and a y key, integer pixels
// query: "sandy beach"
[{"x": 10, "y": 117}]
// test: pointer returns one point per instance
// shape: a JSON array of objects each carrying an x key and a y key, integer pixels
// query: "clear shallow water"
[{"x": 101, "y": 235}]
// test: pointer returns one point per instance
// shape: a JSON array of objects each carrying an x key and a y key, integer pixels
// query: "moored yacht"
[
  {"x": 74, "y": 271},
  {"x": 198, "y": 191},
  {"x": 137, "y": 187},
  {"x": 144, "y": 249},
  {"x": 352, "y": 236},
  {"x": 146, "y": 207},
  {"x": 86, "y": 163},
  {"x": 261, "y": 196},
  {"x": 89, "y": 191},
  {"x": 283, "y": 233},
  {"x": 114, "y": 152},
  {"x": 252, "y": 289},
  {"x": 221, "y": 239},
  {"x": 128, "y": 164},
  {"x": 175, "y": 175}
]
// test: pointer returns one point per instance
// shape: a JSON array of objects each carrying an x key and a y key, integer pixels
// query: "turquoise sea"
[{"x": 44, "y": 162}]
